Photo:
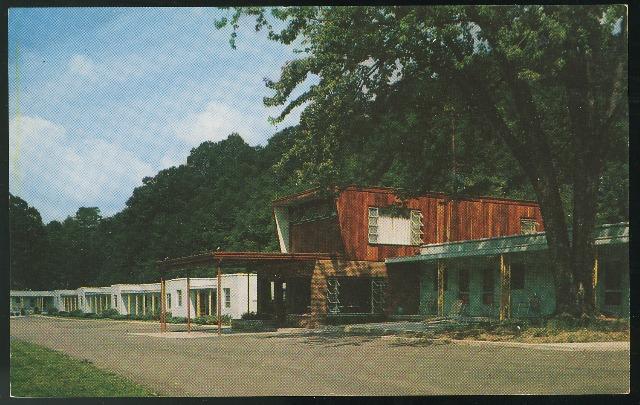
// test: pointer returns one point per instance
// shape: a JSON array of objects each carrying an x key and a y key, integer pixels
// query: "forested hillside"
[{"x": 222, "y": 198}]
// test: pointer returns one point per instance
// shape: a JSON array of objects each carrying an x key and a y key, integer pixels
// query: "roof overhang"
[
  {"x": 609, "y": 234},
  {"x": 237, "y": 258}
]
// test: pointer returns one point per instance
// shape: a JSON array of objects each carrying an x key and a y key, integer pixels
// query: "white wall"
[
  {"x": 237, "y": 283},
  {"x": 282, "y": 226}
]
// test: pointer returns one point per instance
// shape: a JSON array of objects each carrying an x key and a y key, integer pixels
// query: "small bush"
[
  {"x": 177, "y": 319},
  {"x": 109, "y": 313},
  {"x": 255, "y": 316},
  {"x": 90, "y": 315},
  {"x": 63, "y": 313},
  {"x": 23, "y": 311},
  {"x": 76, "y": 313},
  {"x": 52, "y": 311},
  {"x": 36, "y": 310}
]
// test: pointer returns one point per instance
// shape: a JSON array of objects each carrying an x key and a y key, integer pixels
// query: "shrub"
[
  {"x": 177, "y": 319},
  {"x": 89, "y": 315},
  {"x": 63, "y": 313},
  {"x": 109, "y": 313},
  {"x": 52, "y": 311},
  {"x": 255, "y": 316},
  {"x": 76, "y": 313},
  {"x": 36, "y": 310},
  {"x": 23, "y": 311}
]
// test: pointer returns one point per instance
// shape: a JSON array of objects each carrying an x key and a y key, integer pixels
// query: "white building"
[
  {"x": 239, "y": 295},
  {"x": 66, "y": 300},
  {"x": 30, "y": 300},
  {"x": 94, "y": 299},
  {"x": 136, "y": 299}
]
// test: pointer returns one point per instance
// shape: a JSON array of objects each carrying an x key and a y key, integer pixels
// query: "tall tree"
[
  {"x": 27, "y": 243},
  {"x": 549, "y": 82}
]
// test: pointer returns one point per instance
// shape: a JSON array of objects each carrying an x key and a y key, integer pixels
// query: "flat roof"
[
  {"x": 607, "y": 234},
  {"x": 243, "y": 257},
  {"x": 318, "y": 192},
  {"x": 29, "y": 293}
]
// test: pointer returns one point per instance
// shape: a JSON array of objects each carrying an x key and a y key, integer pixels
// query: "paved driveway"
[{"x": 323, "y": 364}]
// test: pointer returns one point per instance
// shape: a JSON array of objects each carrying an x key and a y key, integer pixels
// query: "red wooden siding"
[
  {"x": 471, "y": 218},
  {"x": 316, "y": 236},
  {"x": 461, "y": 219}
]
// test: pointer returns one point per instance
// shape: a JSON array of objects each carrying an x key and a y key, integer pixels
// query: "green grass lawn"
[{"x": 40, "y": 372}]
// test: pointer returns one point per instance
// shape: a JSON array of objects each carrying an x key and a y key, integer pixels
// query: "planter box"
[{"x": 254, "y": 325}]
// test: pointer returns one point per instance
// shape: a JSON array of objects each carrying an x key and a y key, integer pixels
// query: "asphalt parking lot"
[{"x": 323, "y": 363}]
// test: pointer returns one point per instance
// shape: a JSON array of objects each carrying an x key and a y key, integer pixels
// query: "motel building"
[
  {"x": 238, "y": 295},
  {"x": 94, "y": 299},
  {"x": 511, "y": 276},
  {"x": 30, "y": 300},
  {"x": 67, "y": 300},
  {"x": 136, "y": 299},
  {"x": 333, "y": 246}
]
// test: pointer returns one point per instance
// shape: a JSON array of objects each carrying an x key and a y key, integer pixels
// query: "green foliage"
[
  {"x": 256, "y": 316},
  {"x": 76, "y": 313},
  {"x": 40, "y": 372},
  {"x": 109, "y": 313},
  {"x": 211, "y": 320},
  {"x": 52, "y": 311}
]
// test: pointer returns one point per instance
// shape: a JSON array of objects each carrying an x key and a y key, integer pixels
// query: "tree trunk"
[
  {"x": 558, "y": 243},
  {"x": 585, "y": 188}
]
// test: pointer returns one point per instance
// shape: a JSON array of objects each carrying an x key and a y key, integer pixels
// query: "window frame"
[
  {"x": 227, "y": 297},
  {"x": 416, "y": 226},
  {"x": 527, "y": 222}
]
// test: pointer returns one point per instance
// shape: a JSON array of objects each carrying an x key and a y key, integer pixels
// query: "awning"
[
  {"x": 233, "y": 259},
  {"x": 608, "y": 234}
]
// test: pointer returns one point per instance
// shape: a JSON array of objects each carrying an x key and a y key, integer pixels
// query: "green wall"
[{"x": 538, "y": 279}]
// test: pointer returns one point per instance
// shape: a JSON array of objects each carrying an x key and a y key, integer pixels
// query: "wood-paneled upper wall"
[{"x": 443, "y": 220}]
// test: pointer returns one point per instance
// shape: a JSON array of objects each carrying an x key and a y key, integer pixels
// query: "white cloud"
[
  {"x": 48, "y": 166},
  {"x": 214, "y": 124},
  {"x": 82, "y": 65}
]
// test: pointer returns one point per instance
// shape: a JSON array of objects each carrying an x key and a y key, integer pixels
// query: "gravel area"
[{"x": 299, "y": 362}]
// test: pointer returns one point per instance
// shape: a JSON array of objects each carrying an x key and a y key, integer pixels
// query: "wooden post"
[
  {"x": 153, "y": 304},
  {"x": 219, "y": 299},
  {"x": 198, "y": 303},
  {"x": 505, "y": 288},
  {"x": 137, "y": 304},
  {"x": 163, "y": 306},
  {"x": 441, "y": 270},
  {"x": 129, "y": 304},
  {"x": 248, "y": 291},
  {"x": 144, "y": 304},
  {"x": 188, "y": 303},
  {"x": 594, "y": 280},
  {"x": 210, "y": 302}
]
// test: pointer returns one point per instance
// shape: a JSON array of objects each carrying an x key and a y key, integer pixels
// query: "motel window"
[
  {"x": 612, "y": 283},
  {"x": 528, "y": 226},
  {"x": 227, "y": 297},
  {"x": 168, "y": 301},
  {"x": 463, "y": 285},
  {"x": 517, "y": 276},
  {"x": 179, "y": 298},
  {"x": 487, "y": 286},
  {"x": 395, "y": 226}
]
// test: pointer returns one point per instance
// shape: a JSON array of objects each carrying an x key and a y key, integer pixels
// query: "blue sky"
[{"x": 101, "y": 97}]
